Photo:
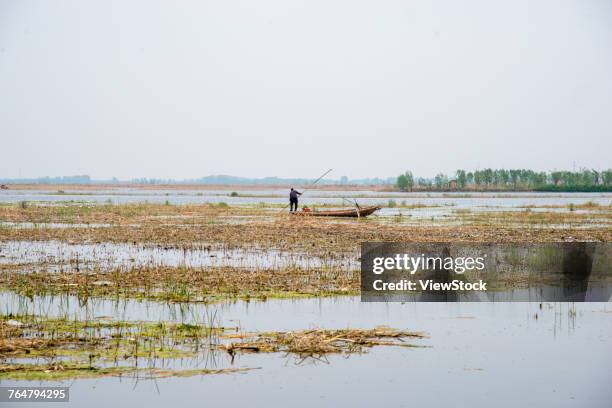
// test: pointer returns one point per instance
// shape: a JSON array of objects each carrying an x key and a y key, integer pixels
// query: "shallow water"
[
  {"x": 437, "y": 207},
  {"x": 54, "y": 255},
  {"x": 514, "y": 354},
  {"x": 280, "y": 196},
  {"x": 478, "y": 354},
  {"x": 34, "y": 225}
]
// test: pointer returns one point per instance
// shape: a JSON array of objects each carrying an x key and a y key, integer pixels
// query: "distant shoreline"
[
  {"x": 255, "y": 187},
  {"x": 204, "y": 187}
]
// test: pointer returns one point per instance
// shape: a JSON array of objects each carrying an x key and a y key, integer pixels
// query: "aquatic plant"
[
  {"x": 42, "y": 348},
  {"x": 316, "y": 343},
  {"x": 187, "y": 283}
]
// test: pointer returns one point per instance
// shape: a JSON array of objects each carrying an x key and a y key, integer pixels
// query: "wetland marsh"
[{"x": 201, "y": 290}]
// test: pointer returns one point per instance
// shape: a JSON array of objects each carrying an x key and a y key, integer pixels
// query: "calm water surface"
[{"x": 481, "y": 355}]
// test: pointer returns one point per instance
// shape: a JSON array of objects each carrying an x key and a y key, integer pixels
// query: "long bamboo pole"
[{"x": 312, "y": 184}]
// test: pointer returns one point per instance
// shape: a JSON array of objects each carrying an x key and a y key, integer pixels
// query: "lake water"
[
  {"x": 477, "y": 354},
  {"x": 55, "y": 255},
  {"x": 438, "y": 206},
  {"x": 480, "y": 355},
  {"x": 280, "y": 196}
]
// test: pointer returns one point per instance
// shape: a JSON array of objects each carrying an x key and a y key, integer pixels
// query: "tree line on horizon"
[
  {"x": 208, "y": 180},
  {"x": 512, "y": 179},
  {"x": 486, "y": 179}
]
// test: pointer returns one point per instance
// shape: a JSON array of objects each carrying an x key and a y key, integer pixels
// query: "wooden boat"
[{"x": 353, "y": 212}]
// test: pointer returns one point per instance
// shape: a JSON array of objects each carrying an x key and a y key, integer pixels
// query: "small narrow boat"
[{"x": 353, "y": 212}]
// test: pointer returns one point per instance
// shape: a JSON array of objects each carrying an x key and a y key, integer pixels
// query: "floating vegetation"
[
  {"x": 317, "y": 343},
  {"x": 62, "y": 372},
  {"x": 28, "y": 336},
  {"x": 40, "y": 348}
]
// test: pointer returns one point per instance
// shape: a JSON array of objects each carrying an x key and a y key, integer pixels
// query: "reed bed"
[
  {"x": 320, "y": 236},
  {"x": 192, "y": 225},
  {"x": 528, "y": 220},
  {"x": 186, "y": 284},
  {"x": 155, "y": 229}
]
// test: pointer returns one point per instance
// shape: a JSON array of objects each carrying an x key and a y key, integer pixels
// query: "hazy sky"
[{"x": 290, "y": 88}]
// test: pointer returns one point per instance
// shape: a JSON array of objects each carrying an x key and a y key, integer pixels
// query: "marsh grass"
[
  {"x": 181, "y": 227},
  {"x": 41, "y": 347},
  {"x": 185, "y": 226},
  {"x": 528, "y": 220},
  {"x": 186, "y": 284}
]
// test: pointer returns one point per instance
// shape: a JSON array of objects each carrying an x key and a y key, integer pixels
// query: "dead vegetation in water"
[
  {"x": 529, "y": 220},
  {"x": 120, "y": 214},
  {"x": 29, "y": 336},
  {"x": 63, "y": 372},
  {"x": 328, "y": 239},
  {"x": 188, "y": 226},
  {"x": 317, "y": 343},
  {"x": 317, "y": 236},
  {"x": 588, "y": 206},
  {"x": 187, "y": 284},
  {"x": 48, "y": 349}
]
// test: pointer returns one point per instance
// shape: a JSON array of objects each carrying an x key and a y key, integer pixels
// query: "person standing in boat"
[{"x": 293, "y": 199}]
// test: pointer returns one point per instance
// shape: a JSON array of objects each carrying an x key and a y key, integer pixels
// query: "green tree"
[
  {"x": 424, "y": 182},
  {"x": 606, "y": 177},
  {"x": 514, "y": 177},
  {"x": 504, "y": 176},
  {"x": 402, "y": 182},
  {"x": 410, "y": 179},
  {"x": 488, "y": 176},
  {"x": 405, "y": 181},
  {"x": 478, "y": 177},
  {"x": 470, "y": 178},
  {"x": 461, "y": 178},
  {"x": 441, "y": 180}
]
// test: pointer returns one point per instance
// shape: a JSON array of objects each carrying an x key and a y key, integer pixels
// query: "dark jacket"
[{"x": 293, "y": 195}]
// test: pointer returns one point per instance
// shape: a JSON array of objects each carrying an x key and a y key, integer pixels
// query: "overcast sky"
[{"x": 178, "y": 89}]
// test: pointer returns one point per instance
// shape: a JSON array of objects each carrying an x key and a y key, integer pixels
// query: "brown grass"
[
  {"x": 187, "y": 284},
  {"x": 316, "y": 343},
  {"x": 196, "y": 225}
]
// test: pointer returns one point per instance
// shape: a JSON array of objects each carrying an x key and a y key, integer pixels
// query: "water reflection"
[
  {"x": 58, "y": 255},
  {"x": 481, "y": 352}
]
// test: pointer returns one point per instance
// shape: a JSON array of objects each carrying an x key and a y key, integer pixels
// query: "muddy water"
[
  {"x": 62, "y": 255},
  {"x": 481, "y": 355}
]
